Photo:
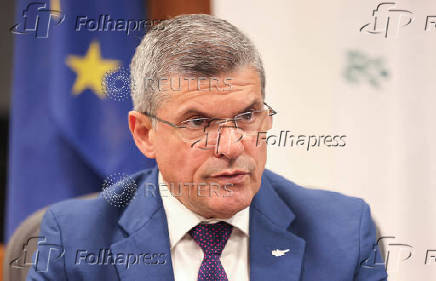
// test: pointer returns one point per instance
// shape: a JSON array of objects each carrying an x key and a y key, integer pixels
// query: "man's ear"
[{"x": 141, "y": 128}]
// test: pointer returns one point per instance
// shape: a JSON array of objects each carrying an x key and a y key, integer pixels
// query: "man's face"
[{"x": 222, "y": 179}]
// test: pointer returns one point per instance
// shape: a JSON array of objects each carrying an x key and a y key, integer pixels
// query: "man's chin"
[{"x": 226, "y": 207}]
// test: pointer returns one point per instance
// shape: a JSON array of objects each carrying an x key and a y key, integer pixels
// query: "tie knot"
[{"x": 211, "y": 237}]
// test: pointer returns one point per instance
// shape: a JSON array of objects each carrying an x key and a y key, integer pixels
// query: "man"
[{"x": 209, "y": 211}]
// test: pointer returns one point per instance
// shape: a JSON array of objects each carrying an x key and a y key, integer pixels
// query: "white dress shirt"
[{"x": 187, "y": 256}]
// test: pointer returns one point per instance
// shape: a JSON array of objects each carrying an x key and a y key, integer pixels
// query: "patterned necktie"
[{"x": 211, "y": 238}]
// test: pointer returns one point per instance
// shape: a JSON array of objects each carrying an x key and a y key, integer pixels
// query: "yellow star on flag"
[
  {"x": 91, "y": 70},
  {"x": 55, "y": 5}
]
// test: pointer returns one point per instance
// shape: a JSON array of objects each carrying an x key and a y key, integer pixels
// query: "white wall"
[{"x": 388, "y": 158}]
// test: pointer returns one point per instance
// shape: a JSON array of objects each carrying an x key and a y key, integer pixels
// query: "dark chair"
[{"x": 22, "y": 245}]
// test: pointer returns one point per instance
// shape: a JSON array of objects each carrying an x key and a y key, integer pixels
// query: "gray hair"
[{"x": 194, "y": 45}]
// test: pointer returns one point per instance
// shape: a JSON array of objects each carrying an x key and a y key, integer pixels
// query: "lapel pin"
[{"x": 279, "y": 253}]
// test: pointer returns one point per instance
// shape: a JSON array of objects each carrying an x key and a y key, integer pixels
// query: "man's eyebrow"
[
  {"x": 195, "y": 111},
  {"x": 254, "y": 104}
]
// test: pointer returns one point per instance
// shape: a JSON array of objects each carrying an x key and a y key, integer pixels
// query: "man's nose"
[{"x": 229, "y": 142}]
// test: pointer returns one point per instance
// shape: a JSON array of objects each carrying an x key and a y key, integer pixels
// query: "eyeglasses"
[{"x": 249, "y": 122}]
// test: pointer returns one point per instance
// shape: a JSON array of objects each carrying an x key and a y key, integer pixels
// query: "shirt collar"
[{"x": 181, "y": 219}]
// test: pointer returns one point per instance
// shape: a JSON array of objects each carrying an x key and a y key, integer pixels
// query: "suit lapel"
[
  {"x": 270, "y": 220},
  {"x": 144, "y": 221}
]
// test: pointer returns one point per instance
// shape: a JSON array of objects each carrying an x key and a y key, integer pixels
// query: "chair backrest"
[{"x": 22, "y": 245}]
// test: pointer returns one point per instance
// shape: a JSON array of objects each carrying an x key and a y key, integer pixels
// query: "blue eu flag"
[{"x": 69, "y": 125}]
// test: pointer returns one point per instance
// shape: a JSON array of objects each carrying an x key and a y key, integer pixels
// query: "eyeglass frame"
[{"x": 224, "y": 120}]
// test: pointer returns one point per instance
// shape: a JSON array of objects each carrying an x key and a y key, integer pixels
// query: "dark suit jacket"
[{"x": 330, "y": 236}]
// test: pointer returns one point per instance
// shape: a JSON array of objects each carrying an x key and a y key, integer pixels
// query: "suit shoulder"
[
  {"x": 97, "y": 207},
  {"x": 318, "y": 202}
]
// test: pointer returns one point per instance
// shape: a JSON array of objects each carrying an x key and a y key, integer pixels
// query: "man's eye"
[
  {"x": 247, "y": 116},
  {"x": 196, "y": 123}
]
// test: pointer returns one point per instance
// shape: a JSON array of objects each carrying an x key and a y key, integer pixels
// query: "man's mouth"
[{"x": 230, "y": 177}]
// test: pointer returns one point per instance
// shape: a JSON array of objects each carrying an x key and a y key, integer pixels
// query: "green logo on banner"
[{"x": 361, "y": 68}]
